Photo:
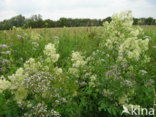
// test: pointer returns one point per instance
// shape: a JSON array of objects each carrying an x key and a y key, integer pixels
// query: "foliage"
[
  {"x": 36, "y": 21},
  {"x": 78, "y": 74}
]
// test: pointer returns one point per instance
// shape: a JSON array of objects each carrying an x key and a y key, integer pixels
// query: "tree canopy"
[{"x": 36, "y": 21}]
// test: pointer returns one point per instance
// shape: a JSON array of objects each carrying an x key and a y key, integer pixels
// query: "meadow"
[{"x": 78, "y": 71}]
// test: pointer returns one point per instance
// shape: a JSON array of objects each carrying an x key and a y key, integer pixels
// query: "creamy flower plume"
[
  {"x": 77, "y": 59},
  {"x": 50, "y": 52}
]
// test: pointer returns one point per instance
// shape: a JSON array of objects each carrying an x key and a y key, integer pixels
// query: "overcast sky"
[{"x": 54, "y": 9}]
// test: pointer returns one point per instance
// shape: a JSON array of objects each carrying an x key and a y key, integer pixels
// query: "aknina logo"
[{"x": 137, "y": 110}]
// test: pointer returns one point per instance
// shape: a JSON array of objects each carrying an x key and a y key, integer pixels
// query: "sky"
[{"x": 54, "y": 9}]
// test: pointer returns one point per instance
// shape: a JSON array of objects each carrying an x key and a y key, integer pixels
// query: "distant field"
[{"x": 77, "y": 38}]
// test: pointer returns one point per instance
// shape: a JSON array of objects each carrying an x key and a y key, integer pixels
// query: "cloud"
[
  {"x": 54, "y": 9},
  {"x": 7, "y": 14}
]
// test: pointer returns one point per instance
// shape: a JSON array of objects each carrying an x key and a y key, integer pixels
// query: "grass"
[
  {"x": 105, "y": 85},
  {"x": 151, "y": 31},
  {"x": 83, "y": 39}
]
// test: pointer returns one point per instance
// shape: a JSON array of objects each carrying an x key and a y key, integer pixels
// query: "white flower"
[
  {"x": 122, "y": 37},
  {"x": 132, "y": 48},
  {"x": 73, "y": 70},
  {"x": 92, "y": 81},
  {"x": 3, "y": 46},
  {"x": 6, "y": 52},
  {"x": 143, "y": 72},
  {"x": 58, "y": 71},
  {"x": 93, "y": 78},
  {"x": 17, "y": 78},
  {"x": 107, "y": 92},
  {"x": 35, "y": 36},
  {"x": 31, "y": 66},
  {"x": 35, "y": 44},
  {"x": 4, "y": 84},
  {"x": 20, "y": 94},
  {"x": 50, "y": 52},
  {"x": 78, "y": 60},
  {"x": 20, "y": 37}
]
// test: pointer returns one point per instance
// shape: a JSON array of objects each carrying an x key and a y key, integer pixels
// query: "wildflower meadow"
[{"x": 81, "y": 72}]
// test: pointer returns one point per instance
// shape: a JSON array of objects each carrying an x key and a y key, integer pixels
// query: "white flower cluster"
[
  {"x": 4, "y": 58},
  {"x": 41, "y": 110},
  {"x": 30, "y": 80},
  {"x": 4, "y": 84},
  {"x": 39, "y": 82},
  {"x": 3, "y": 46},
  {"x": 107, "y": 93},
  {"x": 73, "y": 71},
  {"x": 127, "y": 83},
  {"x": 31, "y": 66},
  {"x": 50, "y": 52},
  {"x": 35, "y": 36},
  {"x": 132, "y": 49},
  {"x": 122, "y": 37},
  {"x": 58, "y": 71},
  {"x": 17, "y": 78},
  {"x": 20, "y": 94},
  {"x": 78, "y": 60},
  {"x": 21, "y": 34},
  {"x": 16, "y": 85},
  {"x": 92, "y": 81},
  {"x": 20, "y": 37},
  {"x": 125, "y": 18},
  {"x": 35, "y": 45}
]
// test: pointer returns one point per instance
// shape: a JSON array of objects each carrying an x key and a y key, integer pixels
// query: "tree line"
[{"x": 36, "y": 21}]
